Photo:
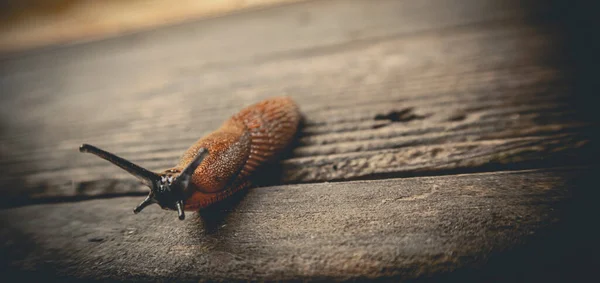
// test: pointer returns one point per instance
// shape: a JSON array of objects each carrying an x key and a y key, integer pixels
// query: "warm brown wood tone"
[
  {"x": 459, "y": 91},
  {"x": 399, "y": 228},
  {"x": 469, "y": 91}
]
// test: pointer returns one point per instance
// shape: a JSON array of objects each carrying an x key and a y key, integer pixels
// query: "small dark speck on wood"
[
  {"x": 405, "y": 115},
  {"x": 95, "y": 239}
]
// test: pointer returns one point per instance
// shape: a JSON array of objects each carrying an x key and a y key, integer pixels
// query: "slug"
[{"x": 221, "y": 163}]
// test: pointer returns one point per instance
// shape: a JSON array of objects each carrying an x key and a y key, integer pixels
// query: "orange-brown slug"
[{"x": 220, "y": 163}]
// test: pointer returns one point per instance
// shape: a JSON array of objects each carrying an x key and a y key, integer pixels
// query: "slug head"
[{"x": 166, "y": 190}]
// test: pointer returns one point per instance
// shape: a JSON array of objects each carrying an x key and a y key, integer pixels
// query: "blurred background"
[{"x": 33, "y": 23}]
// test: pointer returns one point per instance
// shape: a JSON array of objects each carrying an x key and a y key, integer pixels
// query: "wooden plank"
[
  {"x": 453, "y": 157},
  {"x": 149, "y": 101},
  {"x": 395, "y": 229}
]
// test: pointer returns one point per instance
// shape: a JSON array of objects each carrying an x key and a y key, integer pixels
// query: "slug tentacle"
[
  {"x": 180, "y": 212},
  {"x": 147, "y": 177},
  {"x": 148, "y": 201}
]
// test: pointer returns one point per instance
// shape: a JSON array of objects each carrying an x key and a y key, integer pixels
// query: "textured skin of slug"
[{"x": 257, "y": 135}]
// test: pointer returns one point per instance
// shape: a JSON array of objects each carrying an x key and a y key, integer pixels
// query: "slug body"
[
  {"x": 222, "y": 162},
  {"x": 256, "y": 135}
]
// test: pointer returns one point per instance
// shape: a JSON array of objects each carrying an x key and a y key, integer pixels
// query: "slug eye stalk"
[
  {"x": 147, "y": 177},
  {"x": 169, "y": 193}
]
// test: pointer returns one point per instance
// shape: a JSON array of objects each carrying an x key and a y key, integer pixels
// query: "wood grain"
[
  {"x": 385, "y": 94},
  {"x": 434, "y": 91},
  {"x": 398, "y": 229}
]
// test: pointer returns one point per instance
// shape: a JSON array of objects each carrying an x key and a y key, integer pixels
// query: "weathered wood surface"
[
  {"x": 388, "y": 88},
  {"x": 394, "y": 229},
  {"x": 469, "y": 87}
]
